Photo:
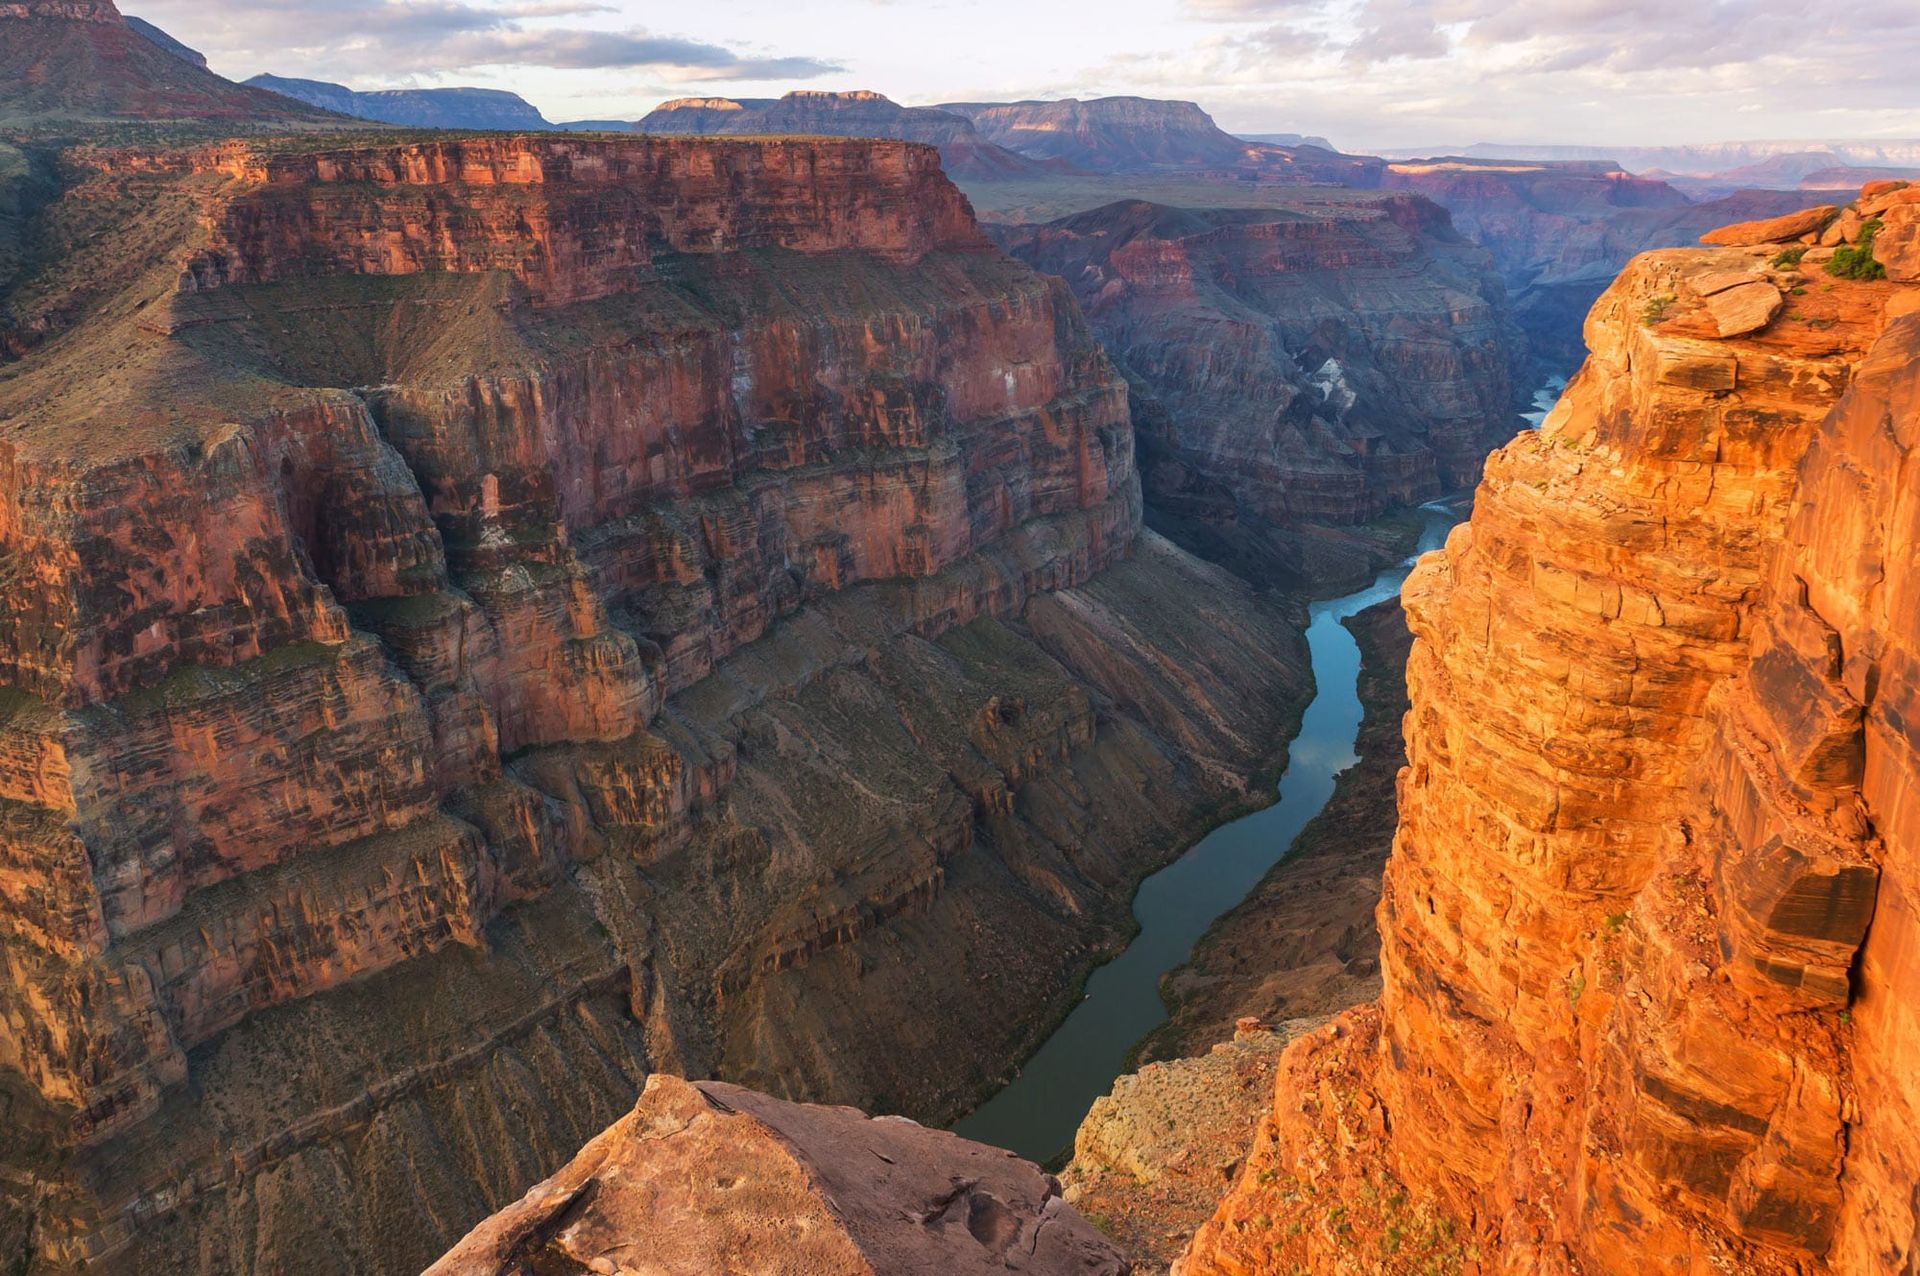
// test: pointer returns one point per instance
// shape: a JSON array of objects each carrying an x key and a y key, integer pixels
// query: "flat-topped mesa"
[
  {"x": 1648, "y": 931},
  {"x": 572, "y": 218}
]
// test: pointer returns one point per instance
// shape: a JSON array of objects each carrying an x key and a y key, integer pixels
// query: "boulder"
[
  {"x": 1897, "y": 245},
  {"x": 1774, "y": 230},
  {"x": 1873, "y": 190},
  {"x": 705, "y": 1177},
  {"x": 1878, "y": 204},
  {"x": 1844, "y": 230},
  {"x": 1710, "y": 282},
  {"x": 1747, "y": 308}
]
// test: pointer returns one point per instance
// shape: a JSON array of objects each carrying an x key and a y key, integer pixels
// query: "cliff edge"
[{"x": 1651, "y": 968}]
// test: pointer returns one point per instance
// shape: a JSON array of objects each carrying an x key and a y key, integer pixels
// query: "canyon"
[
  {"x": 1291, "y": 368},
  {"x": 1647, "y": 943},
  {"x": 493, "y": 619}
]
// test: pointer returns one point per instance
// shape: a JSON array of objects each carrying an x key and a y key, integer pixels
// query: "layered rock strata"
[
  {"x": 488, "y": 620},
  {"x": 703, "y": 1178},
  {"x": 1287, "y": 367},
  {"x": 1647, "y": 932},
  {"x": 860, "y": 113},
  {"x": 1560, "y": 232}
]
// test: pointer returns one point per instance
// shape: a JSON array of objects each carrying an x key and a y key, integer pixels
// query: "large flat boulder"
[
  {"x": 1746, "y": 308},
  {"x": 1773, "y": 230},
  {"x": 704, "y": 1177}
]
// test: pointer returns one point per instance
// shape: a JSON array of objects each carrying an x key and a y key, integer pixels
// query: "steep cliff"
[
  {"x": 489, "y": 619},
  {"x": 1648, "y": 937},
  {"x": 1290, "y": 366}
]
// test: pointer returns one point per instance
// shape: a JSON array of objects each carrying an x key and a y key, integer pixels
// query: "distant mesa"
[
  {"x": 457, "y": 108},
  {"x": 859, "y": 113},
  {"x": 988, "y": 140}
]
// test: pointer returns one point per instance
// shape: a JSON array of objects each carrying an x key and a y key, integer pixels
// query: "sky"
[{"x": 1368, "y": 74}]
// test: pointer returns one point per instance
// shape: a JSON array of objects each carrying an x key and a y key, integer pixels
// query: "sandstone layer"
[
  {"x": 1291, "y": 368},
  {"x": 490, "y": 619},
  {"x": 704, "y": 1178},
  {"x": 1648, "y": 937}
]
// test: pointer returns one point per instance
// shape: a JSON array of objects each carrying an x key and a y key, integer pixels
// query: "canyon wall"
[
  {"x": 1648, "y": 938},
  {"x": 487, "y": 620},
  {"x": 1291, "y": 367}
]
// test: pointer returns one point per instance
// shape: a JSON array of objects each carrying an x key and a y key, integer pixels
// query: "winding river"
[{"x": 1037, "y": 1114}]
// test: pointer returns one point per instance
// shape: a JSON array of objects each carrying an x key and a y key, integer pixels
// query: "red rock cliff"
[
  {"x": 1648, "y": 930},
  {"x": 488, "y": 620}
]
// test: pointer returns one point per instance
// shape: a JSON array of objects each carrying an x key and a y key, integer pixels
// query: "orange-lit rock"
[{"x": 1646, "y": 942}]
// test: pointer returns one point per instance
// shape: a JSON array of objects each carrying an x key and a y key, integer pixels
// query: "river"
[{"x": 1037, "y": 1114}]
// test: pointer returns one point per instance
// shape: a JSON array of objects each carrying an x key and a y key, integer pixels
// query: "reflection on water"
[
  {"x": 1543, "y": 400},
  {"x": 1036, "y": 1115}
]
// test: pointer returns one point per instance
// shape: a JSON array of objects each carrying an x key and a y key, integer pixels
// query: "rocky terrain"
[
  {"x": 77, "y": 61},
  {"x": 491, "y": 619},
  {"x": 1152, "y": 1157},
  {"x": 713, "y": 1178},
  {"x": 1648, "y": 938},
  {"x": 963, "y": 151},
  {"x": 1318, "y": 365}
]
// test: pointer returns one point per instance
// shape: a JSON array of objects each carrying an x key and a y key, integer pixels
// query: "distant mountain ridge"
[
  {"x": 420, "y": 108},
  {"x": 856, "y": 113},
  {"x": 81, "y": 61},
  {"x": 1706, "y": 159}
]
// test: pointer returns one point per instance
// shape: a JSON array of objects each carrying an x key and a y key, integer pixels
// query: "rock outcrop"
[
  {"x": 703, "y": 1178},
  {"x": 487, "y": 620},
  {"x": 1288, "y": 367},
  {"x": 1648, "y": 938},
  {"x": 861, "y": 113}
]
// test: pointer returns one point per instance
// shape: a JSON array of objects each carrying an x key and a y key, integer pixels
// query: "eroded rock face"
[
  {"x": 1560, "y": 232},
  {"x": 1646, "y": 934},
  {"x": 707, "y": 1177},
  {"x": 490, "y": 620},
  {"x": 1288, "y": 367}
]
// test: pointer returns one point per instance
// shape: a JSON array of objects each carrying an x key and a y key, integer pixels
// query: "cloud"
[{"x": 367, "y": 40}]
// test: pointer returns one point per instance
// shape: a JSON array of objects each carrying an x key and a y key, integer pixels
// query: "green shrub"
[
  {"x": 1657, "y": 309},
  {"x": 1856, "y": 261},
  {"x": 1790, "y": 258}
]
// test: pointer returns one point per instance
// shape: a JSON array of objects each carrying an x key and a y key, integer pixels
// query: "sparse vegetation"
[
  {"x": 1658, "y": 308},
  {"x": 1856, "y": 260},
  {"x": 1789, "y": 259}
]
